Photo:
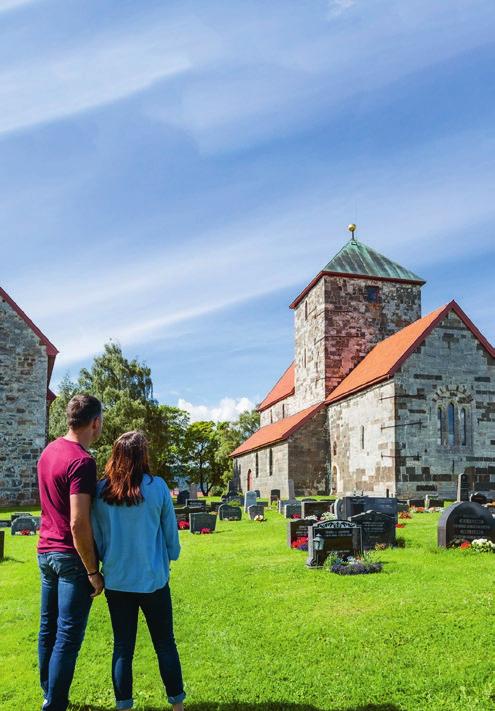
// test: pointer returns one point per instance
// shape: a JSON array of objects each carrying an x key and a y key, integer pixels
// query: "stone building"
[
  {"x": 26, "y": 362},
  {"x": 377, "y": 397}
]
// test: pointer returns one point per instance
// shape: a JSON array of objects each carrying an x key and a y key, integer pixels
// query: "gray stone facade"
[
  {"x": 278, "y": 411},
  {"x": 23, "y": 407}
]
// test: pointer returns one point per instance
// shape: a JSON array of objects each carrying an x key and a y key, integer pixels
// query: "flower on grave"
[
  {"x": 400, "y": 525},
  {"x": 205, "y": 531},
  {"x": 419, "y": 509},
  {"x": 312, "y": 518},
  {"x": 464, "y": 545},
  {"x": 300, "y": 543},
  {"x": 259, "y": 518},
  {"x": 25, "y": 532},
  {"x": 483, "y": 545},
  {"x": 405, "y": 514},
  {"x": 183, "y": 525},
  {"x": 364, "y": 564},
  {"x": 295, "y": 516},
  {"x": 328, "y": 516}
]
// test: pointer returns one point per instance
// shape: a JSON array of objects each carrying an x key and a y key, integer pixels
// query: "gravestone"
[
  {"x": 258, "y": 493},
  {"x": 478, "y": 498},
  {"x": 465, "y": 521},
  {"x": 462, "y": 487},
  {"x": 256, "y": 510},
  {"x": 274, "y": 495},
  {"x": 402, "y": 506},
  {"x": 182, "y": 497},
  {"x": 416, "y": 503},
  {"x": 234, "y": 500},
  {"x": 293, "y": 510},
  {"x": 342, "y": 537},
  {"x": 20, "y": 514},
  {"x": 376, "y": 528},
  {"x": 193, "y": 491},
  {"x": 200, "y": 520},
  {"x": 291, "y": 490},
  {"x": 23, "y": 523},
  {"x": 229, "y": 513},
  {"x": 349, "y": 506},
  {"x": 182, "y": 514},
  {"x": 196, "y": 504},
  {"x": 435, "y": 503},
  {"x": 315, "y": 508},
  {"x": 4, "y": 523},
  {"x": 2, "y": 545},
  {"x": 298, "y": 528},
  {"x": 250, "y": 499}
]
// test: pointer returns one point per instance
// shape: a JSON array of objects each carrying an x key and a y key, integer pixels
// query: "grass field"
[{"x": 259, "y": 631}]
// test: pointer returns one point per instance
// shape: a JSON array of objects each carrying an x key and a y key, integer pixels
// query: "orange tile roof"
[
  {"x": 278, "y": 431},
  {"x": 283, "y": 388},
  {"x": 387, "y": 356}
]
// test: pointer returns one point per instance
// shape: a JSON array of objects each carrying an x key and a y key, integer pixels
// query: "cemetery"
[{"x": 252, "y": 598}]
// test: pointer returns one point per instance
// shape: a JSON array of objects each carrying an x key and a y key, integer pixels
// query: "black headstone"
[
  {"x": 20, "y": 514},
  {"x": 229, "y": 513},
  {"x": 23, "y": 523},
  {"x": 258, "y": 493},
  {"x": 274, "y": 495},
  {"x": 182, "y": 497},
  {"x": 4, "y": 523},
  {"x": 200, "y": 520},
  {"x": 256, "y": 510},
  {"x": 465, "y": 521},
  {"x": 342, "y": 537},
  {"x": 349, "y": 506},
  {"x": 315, "y": 508},
  {"x": 196, "y": 504},
  {"x": 298, "y": 529},
  {"x": 292, "y": 510},
  {"x": 479, "y": 498},
  {"x": 462, "y": 487},
  {"x": 376, "y": 528},
  {"x": 182, "y": 514}
]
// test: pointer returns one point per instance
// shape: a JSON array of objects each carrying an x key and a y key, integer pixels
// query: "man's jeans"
[
  {"x": 65, "y": 604},
  {"x": 157, "y": 609}
]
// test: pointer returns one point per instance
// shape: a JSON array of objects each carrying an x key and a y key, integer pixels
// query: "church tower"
[{"x": 359, "y": 298}]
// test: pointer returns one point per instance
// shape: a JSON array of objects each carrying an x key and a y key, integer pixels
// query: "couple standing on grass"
[{"x": 129, "y": 515}]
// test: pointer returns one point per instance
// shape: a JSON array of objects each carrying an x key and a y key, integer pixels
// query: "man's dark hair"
[{"x": 82, "y": 410}]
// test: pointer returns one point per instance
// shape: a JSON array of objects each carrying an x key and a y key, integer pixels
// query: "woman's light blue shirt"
[{"x": 136, "y": 543}]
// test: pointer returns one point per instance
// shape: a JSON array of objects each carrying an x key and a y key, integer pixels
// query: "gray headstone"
[
  {"x": 465, "y": 521},
  {"x": 4, "y": 523},
  {"x": 349, "y": 506},
  {"x": 229, "y": 513},
  {"x": 200, "y": 520},
  {"x": 298, "y": 528},
  {"x": 250, "y": 499},
  {"x": 315, "y": 508},
  {"x": 20, "y": 514},
  {"x": 274, "y": 496},
  {"x": 376, "y": 528},
  {"x": 255, "y": 510},
  {"x": 193, "y": 491},
  {"x": 291, "y": 490},
  {"x": 293, "y": 510},
  {"x": 23, "y": 523},
  {"x": 462, "y": 487},
  {"x": 196, "y": 504},
  {"x": 343, "y": 537}
]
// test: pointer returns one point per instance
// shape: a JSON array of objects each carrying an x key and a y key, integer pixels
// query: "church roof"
[
  {"x": 282, "y": 389},
  {"x": 278, "y": 431},
  {"x": 51, "y": 351},
  {"x": 388, "y": 355},
  {"x": 357, "y": 260}
]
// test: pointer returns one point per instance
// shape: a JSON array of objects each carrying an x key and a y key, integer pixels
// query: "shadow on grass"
[
  {"x": 9, "y": 559},
  {"x": 243, "y": 706}
]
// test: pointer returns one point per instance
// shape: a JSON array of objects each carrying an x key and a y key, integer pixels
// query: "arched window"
[
  {"x": 257, "y": 465},
  {"x": 362, "y": 436},
  {"x": 335, "y": 449},
  {"x": 440, "y": 425},
  {"x": 270, "y": 462},
  {"x": 463, "y": 427},
  {"x": 451, "y": 425},
  {"x": 271, "y": 417},
  {"x": 306, "y": 310},
  {"x": 283, "y": 411}
]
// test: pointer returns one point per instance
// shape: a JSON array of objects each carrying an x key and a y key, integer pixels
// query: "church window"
[
  {"x": 362, "y": 436},
  {"x": 283, "y": 411},
  {"x": 306, "y": 310},
  {"x": 257, "y": 465},
  {"x": 463, "y": 427},
  {"x": 271, "y": 417},
  {"x": 440, "y": 426},
  {"x": 335, "y": 449},
  {"x": 270, "y": 462},
  {"x": 372, "y": 294},
  {"x": 451, "y": 424}
]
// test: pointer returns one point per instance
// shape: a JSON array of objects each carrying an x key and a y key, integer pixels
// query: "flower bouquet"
[
  {"x": 296, "y": 516},
  {"x": 300, "y": 544},
  {"x": 205, "y": 531},
  {"x": 327, "y": 516},
  {"x": 260, "y": 518},
  {"x": 183, "y": 525},
  {"x": 350, "y": 565},
  {"x": 483, "y": 545}
]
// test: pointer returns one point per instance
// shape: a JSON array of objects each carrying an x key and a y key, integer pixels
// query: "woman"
[{"x": 135, "y": 530}]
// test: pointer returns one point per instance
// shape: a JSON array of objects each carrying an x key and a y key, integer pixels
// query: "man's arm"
[{"x": 82, "y": 533}]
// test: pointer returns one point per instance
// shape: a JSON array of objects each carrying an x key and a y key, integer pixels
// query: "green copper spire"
[{"x": 357, "y": 258}]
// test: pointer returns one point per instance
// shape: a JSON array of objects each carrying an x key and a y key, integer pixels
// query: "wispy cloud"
[
  {"x": 6, "y": 5},
  {"x": 228, "y": 409}
]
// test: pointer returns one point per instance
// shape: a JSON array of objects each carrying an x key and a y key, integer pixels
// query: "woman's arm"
[{"x": 169, "y": 525}]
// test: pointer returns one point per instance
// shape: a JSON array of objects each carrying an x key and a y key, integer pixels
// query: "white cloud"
[
  {"x": 338, "y": 7},
  {"x": 228, "y": 409},
  {"x": 6, "y": 5}
]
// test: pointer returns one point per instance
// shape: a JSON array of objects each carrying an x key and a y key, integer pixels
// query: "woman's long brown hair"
[{"x": 124, "y": 470}]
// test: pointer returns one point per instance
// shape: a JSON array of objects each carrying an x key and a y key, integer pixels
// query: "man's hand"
[{"x": 97, "y": 582}]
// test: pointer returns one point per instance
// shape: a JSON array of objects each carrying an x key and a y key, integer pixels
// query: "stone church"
[
  {"x": 26, "y": 362},
  {"x": 378, "y": 398}
]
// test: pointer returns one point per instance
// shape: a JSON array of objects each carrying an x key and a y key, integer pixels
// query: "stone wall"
[
  {"x": 451, "y": 367},
  {"x": 309, "y": 320},
  {"x": 23, "y": 386},
  {"x": 354, "y": 325},
  {"x": 367, "y": 419},
  {"x": 279, "y": 411},
  {"x": 308, "y": 457},
  {"x": 259, "y": 464}
]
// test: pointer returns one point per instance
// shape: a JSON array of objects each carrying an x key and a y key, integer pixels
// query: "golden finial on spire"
[{"x": 352, "y": 229}]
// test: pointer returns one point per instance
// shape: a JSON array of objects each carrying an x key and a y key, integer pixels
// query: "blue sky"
[{"x": 174, "y": 173}]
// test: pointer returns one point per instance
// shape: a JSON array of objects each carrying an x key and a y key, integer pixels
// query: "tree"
[
  {"x": 200, "y": 446},
  {"x": 230, "y": 436},
  {"x": 57, "y": 421}
]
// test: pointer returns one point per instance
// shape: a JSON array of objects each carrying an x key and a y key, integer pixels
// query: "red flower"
[
  {"x": 183, "y": 525},
  {"x": 400, "y": 525},
  {"x": 296, "y": 516},
  {"x": 299, "y": 542},
  {"x": 205, "y": 530},
  {"x": 465, "y": 545},
  {"x": 25, "y": 532}
]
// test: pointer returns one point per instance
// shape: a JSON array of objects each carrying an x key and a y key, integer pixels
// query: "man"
[{"x": 66, "y": 551}]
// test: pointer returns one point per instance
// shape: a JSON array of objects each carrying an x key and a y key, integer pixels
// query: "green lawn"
[{"x": 257, "y": 630}]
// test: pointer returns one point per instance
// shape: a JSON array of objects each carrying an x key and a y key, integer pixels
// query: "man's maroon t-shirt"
[{"x": 64, "y": 468}]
